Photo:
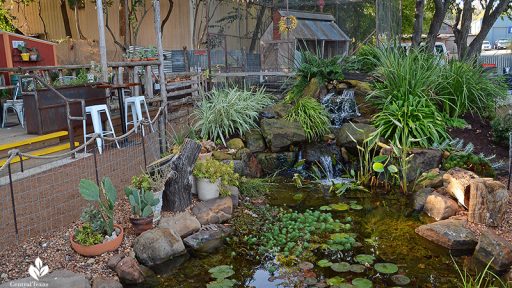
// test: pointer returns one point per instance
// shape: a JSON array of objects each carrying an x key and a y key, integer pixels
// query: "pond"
[{"x": 384, "y": 227}]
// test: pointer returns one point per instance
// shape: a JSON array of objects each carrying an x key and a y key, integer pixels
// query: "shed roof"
[{"x": 315, "y": 26}]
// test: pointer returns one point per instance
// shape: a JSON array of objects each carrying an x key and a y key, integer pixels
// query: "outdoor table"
[
  {"x": 1, "y": 103},
  {"x": 119, "y": 88}
]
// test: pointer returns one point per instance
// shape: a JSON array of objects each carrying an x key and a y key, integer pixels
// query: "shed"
[
  {"x": 315, "y": 32},
  {"x": 10, "y": 56}
]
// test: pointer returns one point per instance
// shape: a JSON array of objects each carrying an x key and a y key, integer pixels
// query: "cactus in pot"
[{"x": 141, "y": 202}]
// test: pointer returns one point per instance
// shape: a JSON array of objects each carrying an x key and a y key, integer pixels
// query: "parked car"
[
  {"x": 439, "y": 48},
  {"x": 502, "y": 44},
  {"x": 486, "y": 45}
]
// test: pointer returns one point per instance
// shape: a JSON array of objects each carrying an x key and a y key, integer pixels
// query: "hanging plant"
[{"x": 287, "y": 24}]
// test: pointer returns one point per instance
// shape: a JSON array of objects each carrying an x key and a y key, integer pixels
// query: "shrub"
[
  {"x": 469, "y": 161},
  {"x": 366, "y": 58},
  {"x": 312, "y": 117},
  {"x": 501, "y": 128},
  {"x": 212, "y": 170},
  {"x": 223, "y": 113}
]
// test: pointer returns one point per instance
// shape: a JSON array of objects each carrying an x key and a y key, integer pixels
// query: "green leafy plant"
[
  {"x": 142, "y": 182},
  {"x": 104, "y": 196},
  {"x": 87, "y": 236},
  {"x": 254, "y": 187},
  {"x": 469, "y": 161},
  {"x": 501, "y": 128},
  {"x": 93, "y": 218},
  {"x": 213, "y": 170},
  {"x": 366, "y": 58},
  {"x": 141, "y": 201},
  {"x": 312, "y": 117},
  {"x": 223, "y": 113},
  {"x": 221, "y": 274},
  {"x": 484, "y": 279}
]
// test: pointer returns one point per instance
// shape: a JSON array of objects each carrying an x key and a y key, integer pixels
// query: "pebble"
[
  {"x": 90, "y": 261},
  {"x": 4, "y": 276},
  {"x": 118, "y": 231}
]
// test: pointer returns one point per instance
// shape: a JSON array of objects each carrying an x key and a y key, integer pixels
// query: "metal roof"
[{"x": 315, "y": 26}]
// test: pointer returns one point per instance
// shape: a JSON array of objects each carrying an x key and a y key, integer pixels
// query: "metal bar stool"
[
  {"x": 135, "y": 103},
  {"x": 97, "y": 125}
]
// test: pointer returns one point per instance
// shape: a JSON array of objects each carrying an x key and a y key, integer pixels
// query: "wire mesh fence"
[{"x": 46, "y": 197}]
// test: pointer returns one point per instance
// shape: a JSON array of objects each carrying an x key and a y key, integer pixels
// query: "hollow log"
[
  {"x": 456, "y": 181},
  {"x": 177, "y": 195},
  {"x": 487, "y": 202}
]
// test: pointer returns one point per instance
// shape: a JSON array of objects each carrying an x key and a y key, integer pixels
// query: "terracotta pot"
[
  {"x": 151, "y": 59},
  {"x": 142, "y": 224},
  {"x": 97, "y": 249}
]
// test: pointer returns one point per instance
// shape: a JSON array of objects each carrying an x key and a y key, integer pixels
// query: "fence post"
[
  {"x": 12, "y": 200},
  {"x": 144, "y": 148},
  {"x": 96, "y": 167}
]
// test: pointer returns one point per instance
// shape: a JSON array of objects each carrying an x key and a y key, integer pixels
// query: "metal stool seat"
[
  {"x": 17, "y": 107},
  {"x": 135, "y": 104},
  {"x": 95, "y": 112}
]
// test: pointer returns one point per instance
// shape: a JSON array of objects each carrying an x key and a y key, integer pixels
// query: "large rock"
[
  {"x": 208, "y": 239},
  {"x": 449, "y": 233},
  {"x": 440, "y": 207},
  {"x": 278, "y": 110},
  {"x": 274, "y": 162},
  {"x": 423, "y": 160},
  {"x": 213, "y": 211},
  {"x": 281, "y": 133},
  {"x": 431, "y": 179},
  {"x": 495, "y": 248},
  {"x": 456, "y": 181},
  {"x": 314, "y": 151},
  {"x": 358, "y": 131},
  {"x": 487, "y": 202},
  {"x": 420, "y": 197},
  {"x": 128, "y": 271},
  {"x": 247, "y": 164},
  {"x": 100, "y": 282},
  {"x": 235, "y": 143},
  {"x": 255, "y": 141},
  {"x": 157, "y": 246},
  {"x": 55, "y": 279},
  {"x": 184, "y": 224}
]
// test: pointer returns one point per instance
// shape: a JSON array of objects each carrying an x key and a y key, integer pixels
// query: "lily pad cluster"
[
  {"x": 221, "y": 274},
  {"x": 342, "y": 206},
  {"x": 293, "y": 233}
]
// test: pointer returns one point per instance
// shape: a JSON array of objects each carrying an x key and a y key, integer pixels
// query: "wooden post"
[
  {"x": 148, "y": 86},
  {"x": 163, "y": 89},
  {"x": 103, "y": 46}
]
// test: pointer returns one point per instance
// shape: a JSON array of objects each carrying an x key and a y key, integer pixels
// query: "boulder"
[
  {"x": 208, "y": 239},
  {"x": 440, "y": 207},
  {"x": 431, "y": 179},
  {"x": 235, "y": 194},
  {"x": 420, "y": 197},
  {"x": 128, "y": 271},
  {"x": 112, "y": 262},
  {"x": 243, "y": 153},
  {"x": 278, "y": 110},
  {"x": 456, "y": 181},
  {"x": 213, "y": 211},
  {"x": 55, "y": 279},
  {"x": 157, "y": 246},
  {"x": 221, "y": 155},
  {"x": 274, "y": 162},
  {"x": 314, "y": 151},
  {"x": 255, "y": 141},
  {"x": 100, "y": 282},
  {"x": 449, "y": 233},
  {"x": 423, "y": 160},
  {"x": 184, "y": 224},
  {"x": 358, "y": 131},
  {"x": 495, "y": 248},
  {"x": 236, "y": 143},
  {"x": 488, "y": 201},
  {"x": 281, "y": 133}
]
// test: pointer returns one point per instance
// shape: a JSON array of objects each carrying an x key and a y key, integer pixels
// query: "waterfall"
[
  {"x": 328, "y": 169},
  {"x": 341, "y": 107}
]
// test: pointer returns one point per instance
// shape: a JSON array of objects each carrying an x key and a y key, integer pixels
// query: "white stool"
[
  {"x": 95, "y": 112},
  {"x": 135, "y": 104},
  {"x": 17, "y": 107}
]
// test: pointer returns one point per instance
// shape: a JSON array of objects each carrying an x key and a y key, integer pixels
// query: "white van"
[{"x": 439, "y": 48}]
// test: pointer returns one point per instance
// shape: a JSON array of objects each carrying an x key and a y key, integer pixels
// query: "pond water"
[{"x": 385, "y": 227}]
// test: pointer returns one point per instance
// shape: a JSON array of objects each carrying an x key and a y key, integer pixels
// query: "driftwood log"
[
  {"x": 177, "y": 195},
  {"x": 487, "y": 202},
  {"x": 456, "y": 181}
]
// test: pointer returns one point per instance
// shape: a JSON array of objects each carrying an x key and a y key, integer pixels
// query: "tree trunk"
[
  {"x": 487, "y": 202},
  {"x": 40, "y": 14},
  {"x": 441, "y": 7},
  {"x": 65, "y": 18},
  {"x": 464, "y": 17},
  {"x": 418, "y": 23},
  {"x": 177, "y": 195},
  {"x": 257, "y": 27},
  {"x": 81, "y": 35},
  {"x": 167, "y": 15}
]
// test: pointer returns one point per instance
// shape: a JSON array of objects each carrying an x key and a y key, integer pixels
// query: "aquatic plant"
[
  {"x": 483, "y": 279},
  {"x": 220, "y": 274},
  {"x": 254, "y": 187}
]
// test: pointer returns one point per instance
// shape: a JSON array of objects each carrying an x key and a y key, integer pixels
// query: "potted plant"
[
  {"x": 34, "y": 54},
  {"x": 153, "y": 181},
  {"x": 142, "y": 202},
  {"x": 151, "y": 54},
  {"x": 25, "y": 55},
  {"x": 98, "y": 233},
  {"x": 213, "y": 179}
]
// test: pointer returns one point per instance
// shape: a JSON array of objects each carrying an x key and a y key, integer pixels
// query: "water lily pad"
[
  {"x": 325, "y": 208},
  {"x": 378, "y": 167},
  {"x": 340, "y": 206},
  {"x": 365, "y": 259},
  {"x": 306, "y": 266},
  {"x": 341, "y": 267},
  {"x": 362, "y": 283},
  {"x": 335, "y": 281},
  {"x": 221, "y": 283},
  {"x": 357, "y": 268},
  {"x": 356, "y": 207},
  {"x": 221, "y": 272},
  {"x": 386, "y": 268},
  {"x": 298, "y": 196},
  {"x": 401, "y": 280},
  {"x": 324, "y": 263}
]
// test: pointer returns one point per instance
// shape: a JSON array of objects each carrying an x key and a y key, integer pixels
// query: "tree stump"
[
  {"x": 456, "y": 181},
  {"x": 487, "y": 202},
  {"x": 177, "y": 195}
]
